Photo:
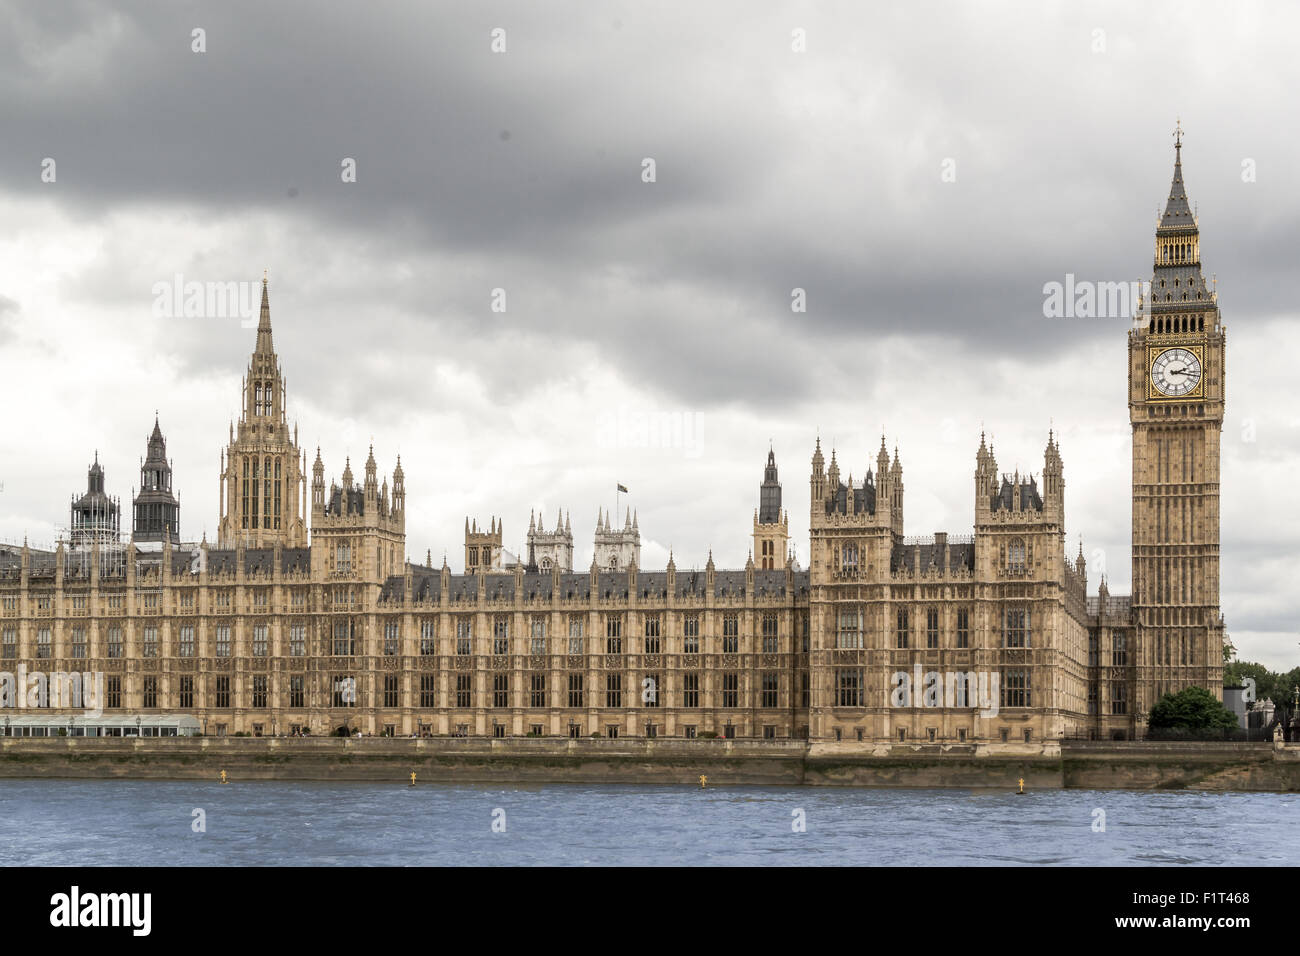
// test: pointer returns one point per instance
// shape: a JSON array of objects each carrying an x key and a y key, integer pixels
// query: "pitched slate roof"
[
  {"x": 1029, "y": 496},
  {"x": 864, "y": 498},
  {"x": 960, "y": 556},
  {"x": 426, "y": 585}
]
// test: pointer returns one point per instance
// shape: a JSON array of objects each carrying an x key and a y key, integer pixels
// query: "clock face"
[{"x": 1175, "y": 372}]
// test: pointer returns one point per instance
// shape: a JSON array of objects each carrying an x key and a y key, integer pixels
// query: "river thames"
[{"x": 90, "y": 823}]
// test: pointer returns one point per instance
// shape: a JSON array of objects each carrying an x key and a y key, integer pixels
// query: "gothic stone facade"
[{"x": 276, "y": 630}]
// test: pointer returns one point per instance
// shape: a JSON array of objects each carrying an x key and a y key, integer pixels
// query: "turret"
[
  {"x": 482, "y": 548},
  {"x": 347, "y": 484},
  {"x": 1053, "y": 477},
  {"x": 399, "y": 492},
  {"x": 95, "y": 516},
  {"x": 617, "y": 548},
  {"x": 986, "y": 475},
  {"x": 771, "y": 524},
  {"x": 549, "y": 550},
  {"x": 318, "y": 486},
  {"x": 818, "y": 480},
  {"x": 156, "y": 510},
  {"x": 371, "y": 488}
]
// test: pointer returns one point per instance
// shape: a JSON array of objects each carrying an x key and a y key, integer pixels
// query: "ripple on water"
[{"x": 49, "y": 823}]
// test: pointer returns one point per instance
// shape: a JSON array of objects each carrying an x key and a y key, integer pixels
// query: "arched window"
[
  {"x": 1016, "y": 556},
  {"x": 266, "y": 494},
  {"x": 244, "y": 511}
]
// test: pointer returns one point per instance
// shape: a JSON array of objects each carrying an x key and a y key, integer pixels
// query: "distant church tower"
[
  {"x": 771, "y": 524},
  {"x": 616, "y": 550},
  {"x": 263, "y": 485},
  {"x": 482, "y": 548},
  {"x": 1176, "y": 396},
  {"x": 550, "y": 549},
  {"x": 157, "y": 510}
]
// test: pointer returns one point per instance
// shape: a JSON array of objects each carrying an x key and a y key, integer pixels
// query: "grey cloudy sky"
[{"x": 629, "y": 301}]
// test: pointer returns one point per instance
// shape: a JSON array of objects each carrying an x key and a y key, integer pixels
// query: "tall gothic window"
[
  {"x": 254, "y": 496},
  {"x": 244, "y": 511},
  {"x": 850, "y": 629},
  {"x": 1017, "y": 628},
  {"x": 266, "y": 494},
  {"x": 849, "y": 559},
  {"x": 1016, "y": 556},
  {"x": 277, "y": 493},
  {"x": 848, "y": 688}
]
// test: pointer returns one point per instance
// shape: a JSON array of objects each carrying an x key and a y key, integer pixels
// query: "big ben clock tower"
[{"x": 1176, "y": 383}]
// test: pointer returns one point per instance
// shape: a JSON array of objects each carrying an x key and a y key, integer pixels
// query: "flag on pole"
[{"x": 623, "y": 488}]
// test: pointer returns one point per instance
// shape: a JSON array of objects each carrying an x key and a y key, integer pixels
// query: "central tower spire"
[
  {"x": 263, "y": 488},
  {"x": 264, "y": 345}
]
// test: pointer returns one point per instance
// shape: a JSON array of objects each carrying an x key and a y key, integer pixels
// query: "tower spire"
[
  {"x": 264, "y": 321},
  {"x": 1178, "y": 211}
]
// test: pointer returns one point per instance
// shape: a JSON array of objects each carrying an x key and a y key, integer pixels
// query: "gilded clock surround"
[{"x": 1155, "y": 351}]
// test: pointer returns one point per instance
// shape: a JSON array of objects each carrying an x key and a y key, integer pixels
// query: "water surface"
[{"x": 88, "y": 823}]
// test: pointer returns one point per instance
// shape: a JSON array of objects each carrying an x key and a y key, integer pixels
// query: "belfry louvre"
[{"x": 307, "y": 615}]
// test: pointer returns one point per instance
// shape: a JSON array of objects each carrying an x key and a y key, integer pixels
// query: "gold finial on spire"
[
  {"x": 1178, "y": 133},
  {"x": 265, "y": 274}
]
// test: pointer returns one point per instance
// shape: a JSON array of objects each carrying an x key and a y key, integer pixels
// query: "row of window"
[
  {"x": 851, "y": 628},
  {"x": 850, "y": 689},
  {"x": 1016, "y": 557},
  {"x": 1118, "y": 698},
  {"x": 652, "y": 691},
  {"x": 931, "y": 734},
  {"x": 344, "y": 638},
  {"x": 186, "y": 646},
  {"x": 1118, "y": 649},
  {"x": 222, "y": 598}
]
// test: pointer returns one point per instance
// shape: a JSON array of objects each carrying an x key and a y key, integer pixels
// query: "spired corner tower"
[
  {"x": 263, "y": 474},
  {"x": 1176, "y": 384}
]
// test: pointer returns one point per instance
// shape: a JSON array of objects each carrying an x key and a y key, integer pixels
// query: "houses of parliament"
[{"x": 307, "y": 615}]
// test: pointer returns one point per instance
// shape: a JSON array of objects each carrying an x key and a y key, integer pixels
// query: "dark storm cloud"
[{"x": 522, "y": 169}]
